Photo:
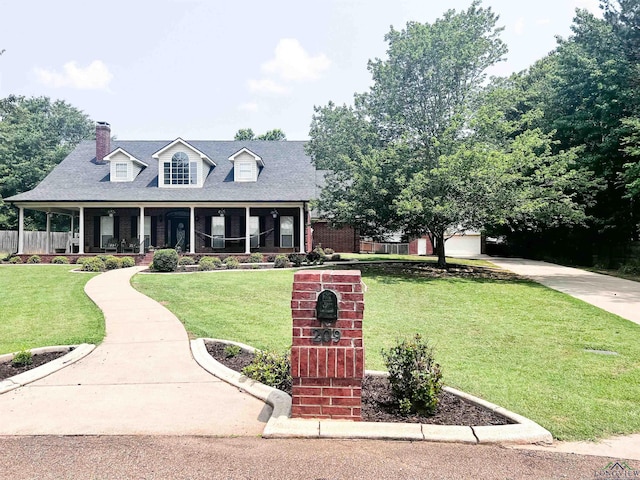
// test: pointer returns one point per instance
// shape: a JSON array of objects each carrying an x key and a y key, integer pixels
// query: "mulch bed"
[
  {"x": 7, "y": 369},
  {"x": 377, "y": 401}
]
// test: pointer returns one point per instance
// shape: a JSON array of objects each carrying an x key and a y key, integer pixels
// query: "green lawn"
[
  {"x": 45, "y": 305},
  {"x": 514, "y": 343}
]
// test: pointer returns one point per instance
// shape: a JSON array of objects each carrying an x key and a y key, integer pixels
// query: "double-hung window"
[
  {"x": 217, "y": 232},
  {"x": 286, "y": 232}
]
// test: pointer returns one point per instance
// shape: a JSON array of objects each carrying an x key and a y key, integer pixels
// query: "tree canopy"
[
  {"x": 272, "y": 135},
  {"x": 431, "y": 150},
  {"x": 35, "y": 135}
]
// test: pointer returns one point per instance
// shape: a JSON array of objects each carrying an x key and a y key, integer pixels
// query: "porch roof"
[{"x": 288, "y": 175}]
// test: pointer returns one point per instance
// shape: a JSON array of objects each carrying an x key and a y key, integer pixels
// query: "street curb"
[
  {"x": 76, "y": 352},
  {"x": 524, "y": 431}
]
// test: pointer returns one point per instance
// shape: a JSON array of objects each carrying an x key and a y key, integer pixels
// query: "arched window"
[{"x": 180, "y": 171}]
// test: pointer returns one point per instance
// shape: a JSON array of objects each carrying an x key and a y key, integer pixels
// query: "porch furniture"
[
  {"x": 111, "y": 245},
  {"x": 132, "y": 245}
]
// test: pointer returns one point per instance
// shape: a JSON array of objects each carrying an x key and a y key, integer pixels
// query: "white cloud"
[
  {"x": 96, "y": 76},
  {"x": 519, "y": 26},
  {"x": 266, "y": 85},
  {"x": 248, "y": 107},
  {"x": 293, "y": 63}
]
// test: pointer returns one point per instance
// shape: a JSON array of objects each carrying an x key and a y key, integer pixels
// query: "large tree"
[
  {"x": 430, "y": 150},
  {"x": 272, "y": 135},
  {"x": 35, "y": 135}
]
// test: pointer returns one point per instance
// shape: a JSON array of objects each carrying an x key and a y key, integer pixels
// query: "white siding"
[
  {"x": 245, "y": 159},
  {"x": 193, "y": 157},
  {"x": 122, "y": 158}
]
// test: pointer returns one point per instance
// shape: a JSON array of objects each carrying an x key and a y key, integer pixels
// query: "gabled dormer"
[
  {"x": 124, "y": 167},
  {"x": 246, "y": 165},
  {"x": 181, "y": 165}
]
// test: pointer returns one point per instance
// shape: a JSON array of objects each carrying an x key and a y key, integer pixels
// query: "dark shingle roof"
[{"x": 288, "y": 175}]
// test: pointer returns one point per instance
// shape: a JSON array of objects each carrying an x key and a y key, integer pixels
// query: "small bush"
[
  {"x": 112, "y": 263},
  {"x": 15, "y": 260},
  {"x": 281, "y": 261},
  {"x": 34, "y": 259},
  {"x": 335, "y": 257},
  {"x": 103, "y": 256},
  {"x": 80, "y": 260},
  {"x": 60, "y": 260},
  {"x": 231, "y": 351},
  {"x": 93, "y": 264},
  {"x": 329, "y": 251},
  {"x": 297, "y": 259},
  {"x": 186, "y": 261},
  {"x": 631, "y": 267},
  {"x": 209, "y": 263},
  {"x": 22, "y": 358},
  {"x": 416, "y": 379},
  {"x": 316, "y": 256},
  {"x": 231, "y": 263},
  {"x": 270, "y": 368},
  {"x": 128, "y": 262},
  {"x": 256, "y": 257},
  {"x": 165, "y": 260}
]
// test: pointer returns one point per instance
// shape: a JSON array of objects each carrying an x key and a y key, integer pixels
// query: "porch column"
[
  {"x": 141, "y": 231},
  {"x": 20, "y": 230},
  {"x": 81, "y": 231},
  {"x": 192, "y": 229},
  {"x": 302, "y": 225},
  {"x": 247, "y": 231},
  {"x": 48, "y": 241},
  {"x": 72, "y": 233}
]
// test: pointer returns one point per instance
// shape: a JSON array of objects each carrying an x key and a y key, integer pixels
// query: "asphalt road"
[{"x": 187, "y": 457}]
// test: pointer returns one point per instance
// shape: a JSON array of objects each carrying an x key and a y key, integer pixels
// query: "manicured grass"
[
  {"x": 44, "y": 305},
  {"x": 378, "y": 257},
  {"x": 514, "y": 343}
]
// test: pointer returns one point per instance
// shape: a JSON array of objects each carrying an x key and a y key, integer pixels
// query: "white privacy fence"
[{"x": 34, "y": 242}]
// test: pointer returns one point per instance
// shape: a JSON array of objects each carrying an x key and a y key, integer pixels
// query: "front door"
[{"x": 178, "y": 233}]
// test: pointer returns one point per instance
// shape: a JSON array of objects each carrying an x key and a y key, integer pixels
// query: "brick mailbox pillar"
[{"x": 327, "y": 354}]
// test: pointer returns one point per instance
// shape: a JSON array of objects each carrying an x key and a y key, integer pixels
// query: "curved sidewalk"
[
  {"x": 141, "y": 380},
  {"x": 612, "y": 294}
]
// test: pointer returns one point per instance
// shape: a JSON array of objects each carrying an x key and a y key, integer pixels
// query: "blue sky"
[{"x": 202, "y": 69}]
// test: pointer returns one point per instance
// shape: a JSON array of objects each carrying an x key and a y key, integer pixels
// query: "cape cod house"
[{"x": 202, "y": 197}]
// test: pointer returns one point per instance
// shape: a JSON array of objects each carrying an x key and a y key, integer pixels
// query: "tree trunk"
[{"x": 439, "y": 246}]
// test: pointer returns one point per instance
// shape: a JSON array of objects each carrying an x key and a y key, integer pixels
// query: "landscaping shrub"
[
  {"x": 103, "y": 257},
  {"x": 22, "y": 358},
  {"x": 256, "y": 257},
  {"x": 631, "y": 267},
  {"x": 15, "y": 260},
  {"x": 209, "y": 263},
  {"x": 329, "y": 251},
  {"x": 186, "y": 261},
  {"x": 335, "y": 257},
  {"x": 60, "y": 260},
  {"x": 270, "y": 368},
  {"x": 34, "y": 259},
  {"x": 231, "y": 262},
  {"x": 93, "y": 264},
  {"x": 165, "y": 260},
  {"x": 231, "y": 351},
  {"x": 128, "y": 262},
  {"x": 112, "y": 263},
  {"x": 80, "y": 260},
  {"x": 316, "y": 256},
  {"x": 297, "y": 259},
  {"x": 416, "y": 379},
  {"x": 281, "y": 261}
]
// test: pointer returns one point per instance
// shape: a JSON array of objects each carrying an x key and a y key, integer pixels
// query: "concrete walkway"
[
  {"x": 140, "y": 380},
  {"x": 612, "y": 294}
]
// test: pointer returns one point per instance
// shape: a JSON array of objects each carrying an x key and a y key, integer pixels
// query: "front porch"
[{"x": 198, "y": 229}]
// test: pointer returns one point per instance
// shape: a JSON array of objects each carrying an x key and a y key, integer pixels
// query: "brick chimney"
[{"x": 103, "y": 141}]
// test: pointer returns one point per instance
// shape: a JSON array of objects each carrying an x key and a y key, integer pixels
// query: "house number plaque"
[{"x": 326, "y": 335}]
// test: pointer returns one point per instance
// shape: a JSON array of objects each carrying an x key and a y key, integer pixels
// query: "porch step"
[{"x": 147, "y": 259}]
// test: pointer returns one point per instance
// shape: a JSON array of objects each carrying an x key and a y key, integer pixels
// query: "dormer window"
[
  {"x": 246, "y": 166},
  {"x": 181, "y": 165},
  {"x": 124, "y": 167},
  {"x": 180, "y": 170}
]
